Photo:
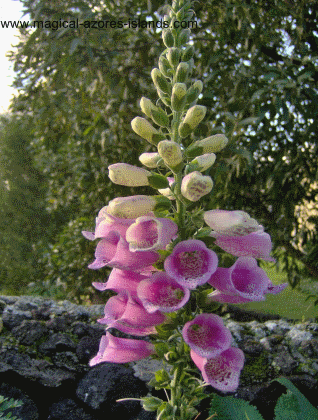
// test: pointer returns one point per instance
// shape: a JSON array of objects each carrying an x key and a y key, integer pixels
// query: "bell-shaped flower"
[
  {"x": 113, "y": 251},
  {"x": 150, "y": 233},
  {"x": 223, "y": 371},
  {"x": 160, "y": 292},
  {"x": 129, "y": 316},
  {"x": 121, "y": 350},
  {"x": 231, "y": 223},
  {"x": 207, "y": 335},
  {"x": 167, "y": 191},
  {"x": 243, "y": 282},
  {"x": 257, "y": 245},
  {"x": 106, "y": 223},
  {"x": 122, "y": 281},
  {"x": 135, "y": 206},
  {"x": 195, "y": 185},
  {"x": 191, "y": 263},
  {"x": 128, "y": 175}
]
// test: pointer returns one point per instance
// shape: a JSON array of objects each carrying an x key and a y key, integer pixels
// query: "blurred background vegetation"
[{"x": 80, "y": 88}]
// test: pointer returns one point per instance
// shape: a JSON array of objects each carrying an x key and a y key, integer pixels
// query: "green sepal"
[
  {"x": 194, "y": 92},
  {"x": 160, "y": 117},
  {"x": 156, "y": 138},
  {"x": 194, "y": 151},
  {"x": 158, "y": 181},
  {"x": 184, "y": 130},
  {"x": 182, "y": 72},
  {"x": 165, "y": 67},
  {"x": 201, "y": 233},
  {"x": 160, "y": 81},
  {"x": 151, "y": 403},
  {"x": 163, "y": 203},
  {"x": 184, "y": 37},
  {"x": 165, "y": 98}
]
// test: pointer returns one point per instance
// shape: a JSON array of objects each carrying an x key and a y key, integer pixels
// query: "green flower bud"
[
  {"x": 188, "y": 53},
  {"x": 160, "y": 81},
  {"x": 167, "y": 37},
  {"x": 184, "y": 37},
  {"x": 182, "y": 72},
  {"x": 145, "y": 130},
  {"x": 173, "y": 56},
  {"x": 170, "y": 153},
  {"x": 201, "y": 163},
  {"x": 178, "y": 97},
  {"x": 192, "y": 119},
  {"x": 150, "y": 159},
  {"x": 155, "y": 113},
  {"x": 212, "y": 144},
  {"x": 194, "y": 91},
  {"x": 165, "y": 67}
]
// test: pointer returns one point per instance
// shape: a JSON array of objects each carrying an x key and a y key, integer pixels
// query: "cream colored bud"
[
  {"x": 150, "y": 159},
  {"x": 146, "y": 105},
  {"x": 192, "y": 119},
  {"x": 167, "y": 191},
  {"x": 136, "y": 205},
  {"x": 145, "y": 130},
  {"x": 128, "y": 175},
  {"x": 212, "y": 144},
  {"x": 203, "y": 162},
  {"x": 195, "y": 185},
  {"x": 231, "y": 223},
  {"x": 170, "y": 153}
]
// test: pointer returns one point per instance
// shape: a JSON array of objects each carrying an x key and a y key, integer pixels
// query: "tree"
[{"x": 81, "y": 86}]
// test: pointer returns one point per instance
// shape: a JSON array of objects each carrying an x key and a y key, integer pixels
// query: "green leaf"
[
  {"x": 294, "y": 405},
  {"x": 230, "y": 408}
]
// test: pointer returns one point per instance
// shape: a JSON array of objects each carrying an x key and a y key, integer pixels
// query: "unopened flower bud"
[
  {"x": 173, "y": 56},
  {"x": 195, "y": 185},
  {"x": 165, "y": 67},
  {"x": 170, "y": 153},
  {"x": 136, "y": 205},
  {"x": 187, "y": 53},
  {"x": 182, "y": 72},
  {"x": 145, "y": 130},
  {"x": 150, "y": 159},
  {"x": 154, "y": 112},
  {"x": 160, "y": 81},
  {"x": 201, "y": 163},
  {"x": 184, "y": 37},
  {"x": 128, "y": 175},
  {"x": 178, "y": 97},
  {"x": 212, "y": 144},
  {"x": 167, "y": 191},
  {"x": 167, "y": 37},
  {"x": 194, "y": 91},
  {"x": 193, "y": 118}
]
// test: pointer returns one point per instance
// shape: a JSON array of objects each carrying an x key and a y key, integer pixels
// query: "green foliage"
[
  {"x": 6, "y": 404},
  {"x": 290, "y": 406}
]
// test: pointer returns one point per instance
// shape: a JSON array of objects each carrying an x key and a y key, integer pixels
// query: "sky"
[{"x": 9, "y": 10}]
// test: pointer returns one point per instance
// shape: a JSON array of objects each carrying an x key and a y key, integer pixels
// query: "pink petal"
[
  {"x": 207, "y": 335},
  {"x": 160, "y": 292},
  {"x": 121, "y": 350},
  {"x": 223, "y": 371},
  {"x": 88, "y": 235}
]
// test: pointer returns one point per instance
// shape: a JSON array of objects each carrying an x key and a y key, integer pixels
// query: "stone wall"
[{"x": 45, "y": 347}]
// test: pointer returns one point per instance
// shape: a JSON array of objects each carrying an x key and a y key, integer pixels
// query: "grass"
[{"x": 290, "y": 303}]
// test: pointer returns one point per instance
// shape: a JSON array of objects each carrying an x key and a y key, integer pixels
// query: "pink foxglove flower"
[
  {"x": 231, "y": 223},
  {"x": 207, "y": 335},
  {"x": 129, "y": 316},
  {"x": 243, "y": 282},
  {"x": 257, "y": 245},
  {"x": 160, "y": 292},
  {"x": 191, "y": 263},
  {"x": 106, "y": 223},
  {"x": 223, "y": 371},
  {"x": 113, "y": 251},
  {"x": 150, "y": 233},
  {"x": 121, "y": 350},
  {"x": 122, "y": 281}
]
